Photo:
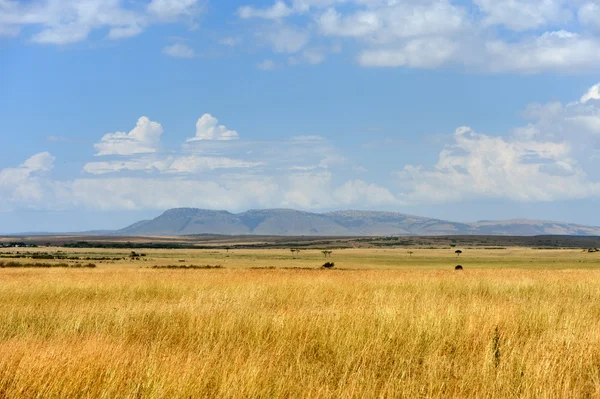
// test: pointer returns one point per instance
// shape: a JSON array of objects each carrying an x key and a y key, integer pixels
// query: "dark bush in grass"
[
  {"x": 185, "y": 267},
  {"x": 328, "y": 265},
  {"x": 45, "y": 265}
]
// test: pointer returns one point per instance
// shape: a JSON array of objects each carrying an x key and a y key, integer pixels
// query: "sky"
[{"x": 113, "y": 111}]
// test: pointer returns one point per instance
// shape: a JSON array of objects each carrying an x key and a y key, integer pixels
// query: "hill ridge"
[{"x": 292, "y": 222}]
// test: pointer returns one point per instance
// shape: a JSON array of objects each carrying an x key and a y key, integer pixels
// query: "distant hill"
[{"x": 289, "y": 222}]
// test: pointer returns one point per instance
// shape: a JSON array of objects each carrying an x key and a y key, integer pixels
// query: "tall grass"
[{"x": 298, "y": 333}]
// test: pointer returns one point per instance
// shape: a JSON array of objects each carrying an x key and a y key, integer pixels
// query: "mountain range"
[{"x": 289, "y": 222}]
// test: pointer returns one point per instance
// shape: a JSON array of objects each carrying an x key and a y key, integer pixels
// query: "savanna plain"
[{"x": 383, "y": 323}]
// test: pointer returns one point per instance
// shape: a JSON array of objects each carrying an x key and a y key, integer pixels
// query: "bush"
[
  {"x": 44, "y": 265},
  {"x": 188, "y": 267}
]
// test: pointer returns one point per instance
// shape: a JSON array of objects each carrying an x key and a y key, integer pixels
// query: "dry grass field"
[{"x": 515, "y": 323}]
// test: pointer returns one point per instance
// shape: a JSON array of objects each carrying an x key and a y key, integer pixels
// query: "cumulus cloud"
[
  {"x": 523, "y": 36},
  {"x": 551, "y": 158},
  {"x": 173, "y": 9},
  {"x": 361, "y": 192},
  {"x": 196, "y": 164},
  {"x": 41, "y": 162},
  {"x": 23, "y": 186},
  {"x": 592, "y": 94},
  {"x": 418, "y": 53},
  {"x": 588, "y": 14},
  {"x": 208, "y": 128},
  {"x": 520, "y": 15},
  {"x": 68, "y": 21},
  {"x": 276, "y": 11},
  {"x": 170, "y": 164},
  {"x": 142, "y": 139},
  {"x": 395, "y": 21},
  {"x": 179, "y": 50},
  {"x": 482, "y": 166},
  {"x": 146, "y": 164},
  {"x": 557, "y": 50},
  {"x": 285, "y": 39},
  {"x": 309, "y": 56}
]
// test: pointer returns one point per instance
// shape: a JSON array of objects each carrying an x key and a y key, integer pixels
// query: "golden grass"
[
  {"x": 398, "y": 258},
  {"x": 238, "y": 333}
]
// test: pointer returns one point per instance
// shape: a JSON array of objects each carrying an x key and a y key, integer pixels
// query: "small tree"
[
  {"x": 326, "y": 253},
  {"x": 458, "y": 252},
  {"x": 410, "y": 254}
]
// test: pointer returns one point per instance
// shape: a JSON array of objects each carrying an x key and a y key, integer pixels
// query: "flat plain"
[{"x": 516, "y": 322}]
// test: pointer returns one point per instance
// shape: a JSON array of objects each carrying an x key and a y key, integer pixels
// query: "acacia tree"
[{"x": 458, "y": 252}]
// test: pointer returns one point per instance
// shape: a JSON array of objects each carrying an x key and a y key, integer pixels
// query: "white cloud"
[
  {"x": 123, "y": 32},
  {"x": 173, "y": 9},
  {"x": 359, "y": 24},
  {"x": 313, "y": 56},
  {"x": 147, "y": 164},
  {"x": 481, "y": 166},
  {"x": 360, "y": 192},
  {"x": 69, "y": 21},
  {"x": 142, "y": 139},
  {"x": 196, "y": 164},
  {"x": 276, "y": 11},
  {"x": 235, "y": 192},
  {"x": 286, "y": 39},
  {"x": 592, "y": 94},
  {"x": 588, "y": 14},
  {"x": 23, "y": 187},
  {"x": 417, "y": 53},
  {"x": 552, "y": 158},
  {"x": 309, "y": 191},
  {"x": 179, "y": 50},
  {"x": 522, "y": 36},
  {"x": 396, "y": 20},
  {"x": 208, "y": 128},
  {"x": 170, "y": 164},
  {"x": 560, "y": 50},
  {"x": 519, "y": 15},
  {"x": 41, "y": 162}
]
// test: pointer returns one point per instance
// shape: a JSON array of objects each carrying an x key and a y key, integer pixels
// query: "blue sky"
[{"x": 114, "y": 110}]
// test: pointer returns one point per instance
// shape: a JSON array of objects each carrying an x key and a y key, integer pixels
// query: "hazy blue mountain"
[{"x": 189, "y": 221}]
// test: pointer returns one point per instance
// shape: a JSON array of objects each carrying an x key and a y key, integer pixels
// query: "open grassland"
[
  {"x": 399, "y": 258},
  {"x": 515, "y": 323}
]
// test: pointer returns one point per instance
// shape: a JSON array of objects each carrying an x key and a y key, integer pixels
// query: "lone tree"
[
  {"x": 326, "y": 253},
  {"x": 458, "y": 252},
  {"x": 410, "y": 254}
]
